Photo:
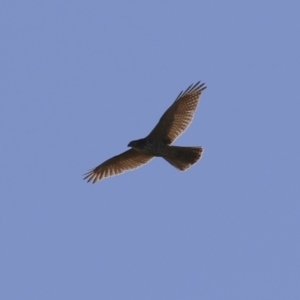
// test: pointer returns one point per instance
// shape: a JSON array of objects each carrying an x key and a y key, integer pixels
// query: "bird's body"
[
  {"x": 148, "y": 146},
  {"x": 180, "y": 157},
  {"x": 158, "y": 143}
]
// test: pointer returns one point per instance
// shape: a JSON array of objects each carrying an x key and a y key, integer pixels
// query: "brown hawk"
[{"x": 158, "y": 143}]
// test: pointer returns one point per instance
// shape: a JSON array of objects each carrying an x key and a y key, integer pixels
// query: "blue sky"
[{"x": 79, "y": 80}]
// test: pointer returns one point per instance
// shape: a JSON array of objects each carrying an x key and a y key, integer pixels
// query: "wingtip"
[{"x": 89, "y": 176}]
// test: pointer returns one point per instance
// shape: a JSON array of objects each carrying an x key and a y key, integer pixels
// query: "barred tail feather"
[{"x": 183, "y": 157}]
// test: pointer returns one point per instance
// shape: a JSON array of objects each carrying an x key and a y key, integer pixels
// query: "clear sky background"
[{"x": 79, "y": 80}]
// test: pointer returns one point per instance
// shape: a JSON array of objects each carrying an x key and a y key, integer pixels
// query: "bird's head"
[
  {"x": 137, "y": 144},
  {"x": 131, "y": 144}
]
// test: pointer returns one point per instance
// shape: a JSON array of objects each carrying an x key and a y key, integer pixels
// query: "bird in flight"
[{"x": 158, "y": 142}]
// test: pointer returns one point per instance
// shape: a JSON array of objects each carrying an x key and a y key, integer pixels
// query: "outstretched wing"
[
  {"x": 116, "y": 165},
  {"x": 178, "y": 116}
]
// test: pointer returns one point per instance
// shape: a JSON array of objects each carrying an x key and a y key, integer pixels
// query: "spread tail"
[{"x": 183, "y": 157}]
